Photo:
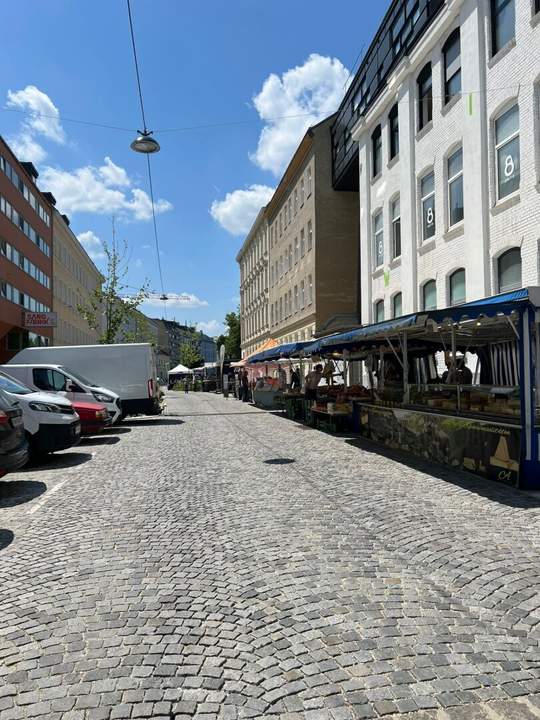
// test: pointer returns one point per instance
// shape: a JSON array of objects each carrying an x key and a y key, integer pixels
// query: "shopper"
[
  {"x": 245, "y": 386},
  {"x": 295, "y": 379},
  {"x": 313, "y": 379}
]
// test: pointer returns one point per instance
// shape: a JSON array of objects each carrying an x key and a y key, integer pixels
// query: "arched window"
[
  {"x": 452, "y": 66},
  {"x": 509, "y": 270},
  {"x": 397, "y": 305},
  {"x": 376, "y": 151},
  {"x": 379, "y": 311},
  {"x": 429, "y": 295},
  {"x": 425, "y": 97},
  {"x": 393, "y": 131},
  {"x": 457, "y": 287}
]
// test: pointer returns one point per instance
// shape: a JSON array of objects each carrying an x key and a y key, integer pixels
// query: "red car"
[{"x": 94, "y": 417}]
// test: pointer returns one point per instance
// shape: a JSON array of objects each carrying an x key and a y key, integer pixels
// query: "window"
[
  {"x": 290, "y": 257},
  {"x": 396, "y": 229},
  {"x": 509, "y": 270},
  {"x": 455, "y": 187},
  {"x": 272, "y": 314},
  {"x": 393, "y": 131},
  {"x": 301, "y": 192},
  {"x": 302, "y": 295},
  {"x": 295, "y": 200},
  {"x": 376, "y": 152},
  {"x": 290, "y": 302},
  {"x": 379, "y": 311},
  {"x": 457, "y": 287},
  {"x": 280, "y": 225},
  {"x": 397, "y": 305},
  {"x": 452, "y": 66},
  {"x": 425, "y": 97},
  {"x": 310, "y": 290},
  {"x": 296, "y": 298},
  {"x": 281, "y": 266},
  {"x": 507, "y": 150},
  {"x": 427, "y": 192},
  {"x": 309, "y": 235},
  {"x": 302, "y": 243},
  {"x": 309, "y": 181},
  {"x": 378, "y": 239},
  {"x": 289, "y": 205},
  {"x": 295, "y": 250},
  {"x": 429, "y": 295},
  {"x": 503, "y": 21},
  {"x": 47, "y": 379},
  {"x": 280, "y": 309}
]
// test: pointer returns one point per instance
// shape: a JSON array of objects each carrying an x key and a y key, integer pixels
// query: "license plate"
[
  {"x": 16, "y": 421},
  {"x": 77, "y": 429}
]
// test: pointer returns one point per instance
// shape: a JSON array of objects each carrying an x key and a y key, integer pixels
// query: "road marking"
[{"x": 50, "y": 492}]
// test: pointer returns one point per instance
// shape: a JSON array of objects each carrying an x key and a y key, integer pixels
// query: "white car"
[
  {"x": 65, "y": 382},
  {"x": 50, "y": 422}
]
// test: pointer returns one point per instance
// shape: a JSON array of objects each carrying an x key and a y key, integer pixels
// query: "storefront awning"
[
  {"x": 368, "y": 332},
  {"x": 286, "y": 350}
]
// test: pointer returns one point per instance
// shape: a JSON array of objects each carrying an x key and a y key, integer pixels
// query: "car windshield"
[
  {"x": 8, "y": 384},
  {"x": 79, "y": 377}
]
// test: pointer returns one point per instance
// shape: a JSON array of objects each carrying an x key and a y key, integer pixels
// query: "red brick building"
[{"x": 25, "y": 257}]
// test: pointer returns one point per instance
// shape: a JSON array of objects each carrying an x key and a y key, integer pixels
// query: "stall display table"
[
  {"x": 333, "y": 422},
  {"x": 489, "y": 448}
]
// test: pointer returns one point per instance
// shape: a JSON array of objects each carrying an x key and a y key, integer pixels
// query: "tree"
[
  {"x": 109, "y": 306},
  {"x": 231, "y": 339},
  {"x": 190, "y": 349},
  {"x": 137, "y": 330}
]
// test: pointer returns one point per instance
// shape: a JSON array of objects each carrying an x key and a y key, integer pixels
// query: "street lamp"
[{"x": 143, "y": 143}]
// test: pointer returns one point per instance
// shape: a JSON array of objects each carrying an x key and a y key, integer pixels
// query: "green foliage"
[
  {"x": 109, "y": 307},
  {"x": 190, "y": 349},
  {"x": 231, "y": 339}
]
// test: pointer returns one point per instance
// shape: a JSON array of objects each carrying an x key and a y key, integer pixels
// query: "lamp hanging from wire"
[{"x": 144, "y": 143}]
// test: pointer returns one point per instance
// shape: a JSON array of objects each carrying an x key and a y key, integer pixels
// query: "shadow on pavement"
[
  {"x": 57, "y": 461},
  {"x": 116, "y": 430},
  {"x": 99, "y": 440},
  {"x": 279, "y": 461},
  {"x": 489, "y": 489},
  {"x": 6, "y": 538},
  {"x": 17, "y": 492},
  {"x": 218, "y": 414}
]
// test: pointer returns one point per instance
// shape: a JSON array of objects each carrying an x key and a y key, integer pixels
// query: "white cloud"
[
  {"x": 313, "y": 90},
  {"x": 96, "y": 190},
  {"x": 138, "y": 263},
  {"x": 211, "y": 327},
  {"x": 114, "y": 175},
  {"x": 239, "y": 209},
  {"x": 174, "y": 300},
  {"x": 92, "y": 244},
  {"x": 43, "y": 120}
]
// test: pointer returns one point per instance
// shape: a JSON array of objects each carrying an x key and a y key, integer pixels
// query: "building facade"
[
  {"x": 26, "y": 266},
  {"x": 172, "y": 335},
  {"x": 75, "y": 278},
  {"x": 253, "y": 262},
  {"x": 449, "y": 160},
  {"x": 313, "y": 246}
]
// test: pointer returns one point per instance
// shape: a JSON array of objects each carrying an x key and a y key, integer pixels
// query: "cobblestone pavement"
[{"x": 222, "y": 562}]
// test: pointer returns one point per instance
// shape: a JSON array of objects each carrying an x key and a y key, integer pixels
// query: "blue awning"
[
  {"x": 342, "y": 340},
  {"x": 286, "y": 350}
]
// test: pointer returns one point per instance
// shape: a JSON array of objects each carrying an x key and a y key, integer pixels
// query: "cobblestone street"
[{"x": 223, "y": 562}]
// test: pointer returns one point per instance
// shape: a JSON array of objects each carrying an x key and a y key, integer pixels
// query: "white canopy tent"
[{"x": 180, "y": 370}]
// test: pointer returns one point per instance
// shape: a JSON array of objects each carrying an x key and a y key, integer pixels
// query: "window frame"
[
  {"x": 494, "y": 14},
  {"x": 448, "y": 45},
  {"x": 451, "y": 277},
  {"x": 376, "y": 233},
  {"x": 376, "y": 305},
  {"x": 396, "y": 223},
  {"x": 499, "y": 145},
  {"x": 394, "y": 298},
  {"x": 425, "y": 98},
  {"x": 427, "y": 284},
  {"x": 450, "y": 181},
  {"x": 376, "y": 152},
  {"x": 513, "y": 286},
  {"x": 393, "y": 132},
  {"x": 423, "y": 200}
]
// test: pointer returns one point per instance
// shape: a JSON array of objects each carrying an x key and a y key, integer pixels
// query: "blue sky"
[{"x": 244, "y": 61}]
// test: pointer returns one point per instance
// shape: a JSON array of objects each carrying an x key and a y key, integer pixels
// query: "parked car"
[
  {"x": 61, "y": 380},
  {"x": 129, "y": 369},
  {"x": 94, "y": 417},
  {"x": 13, "y": 444},
  {"x": 50, "y": 422}
]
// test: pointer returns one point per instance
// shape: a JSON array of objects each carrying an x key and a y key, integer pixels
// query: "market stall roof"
[
  {"x": 286, "y": 350},
  {"x": 180, "y": 369},
  {"x": 503, "y": 304}
]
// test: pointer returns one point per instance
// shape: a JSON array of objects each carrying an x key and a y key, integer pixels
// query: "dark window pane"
[
  {"x": 397, "y": 305},
  {"x": 457, "y": 287},
  {"x": 376, "y": 150},
  {"x": 430, "y": 295},
  {"x": 456, "y": 200},
  {"x": 379, "y": 311},
  {"x": 393, "y": 129},
  {"x": 425, "y": 97},
  {"x": 452, "y": 65},
  {"x": 509, "y": 266},
  {"x": 396, "y": 228},
  {"x": 508, "y": 172},
  {"x": 503, "y": 22}
]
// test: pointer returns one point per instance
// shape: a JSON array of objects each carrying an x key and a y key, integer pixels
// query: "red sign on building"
[{"x": 39, "y": 319}]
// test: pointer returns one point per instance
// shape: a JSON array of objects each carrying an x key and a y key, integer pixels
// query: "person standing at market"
[
  {"x": 295, "y": 379},
  {"x": 245, "y": 386},
  {"x": 313, "y": 379}
]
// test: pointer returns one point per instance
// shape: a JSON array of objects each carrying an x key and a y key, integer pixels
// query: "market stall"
[{"x": 458, "y": 386}]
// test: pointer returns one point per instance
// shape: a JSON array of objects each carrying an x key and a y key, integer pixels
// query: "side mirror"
[{"x": 70, "y": 387}]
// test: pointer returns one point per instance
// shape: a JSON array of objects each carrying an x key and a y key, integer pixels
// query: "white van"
[
  {"x": 129, "y": 369},
  {"x": 50, "y": 422},
  {"x": 61, "y": 380}
]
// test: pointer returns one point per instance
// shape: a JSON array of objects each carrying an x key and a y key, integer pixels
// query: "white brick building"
[
  {"x": 253, "y": 261},
  {"x": 449, "y": 161}
]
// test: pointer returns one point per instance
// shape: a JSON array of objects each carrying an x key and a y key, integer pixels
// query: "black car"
[{"x": 13, "y": 444}]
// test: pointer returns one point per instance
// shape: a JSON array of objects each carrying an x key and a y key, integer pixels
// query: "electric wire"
[
  {"x": 151, "y": 186},
  {"x": 136, "y": 63}
]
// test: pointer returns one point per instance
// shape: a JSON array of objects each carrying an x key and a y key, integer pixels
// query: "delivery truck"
[{"x": 128, "y": 369}]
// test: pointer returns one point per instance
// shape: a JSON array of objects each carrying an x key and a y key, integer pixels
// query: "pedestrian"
[
  {"x": 186, "y": 386},
  {"x": 245, "y": 386},
  {"x": 313, "y": 379},
  {"x": 295, "y": 379}
]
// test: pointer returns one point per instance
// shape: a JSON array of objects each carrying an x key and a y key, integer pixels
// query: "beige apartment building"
[
  {"x": 74, "y": 277},
  {"x": 313, "y": 235},
  {"x": 253, "y": 261}
]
